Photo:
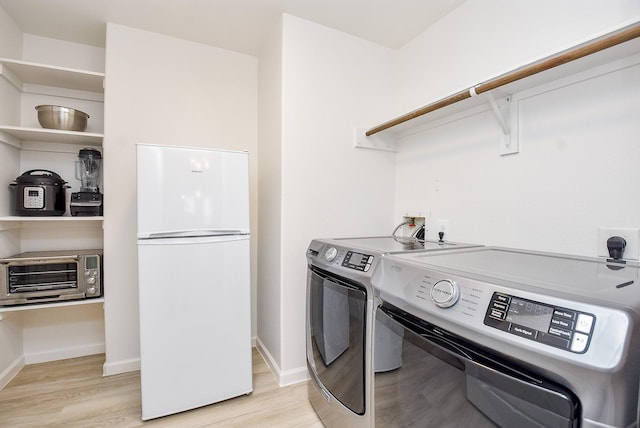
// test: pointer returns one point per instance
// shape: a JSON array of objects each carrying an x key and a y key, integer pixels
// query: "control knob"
[
  {"x": 445, "y": 293},
  {"x": 330, "y": 253}
]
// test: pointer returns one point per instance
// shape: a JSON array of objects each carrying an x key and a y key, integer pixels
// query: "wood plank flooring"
[{"x": 73, "y": 393}]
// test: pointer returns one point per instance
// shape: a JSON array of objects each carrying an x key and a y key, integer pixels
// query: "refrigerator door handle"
[{"x": 195, "y": 234}]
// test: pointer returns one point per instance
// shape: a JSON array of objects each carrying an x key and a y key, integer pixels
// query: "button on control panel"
[
  {"x": 558, "y": 327},
  {"x": 357, "y": 261}
]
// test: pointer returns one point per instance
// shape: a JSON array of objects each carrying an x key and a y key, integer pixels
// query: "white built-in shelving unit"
[{"x": 49, "y": 82}]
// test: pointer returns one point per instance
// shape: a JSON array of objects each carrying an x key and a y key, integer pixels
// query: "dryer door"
[{"x": 336, "y": 336}]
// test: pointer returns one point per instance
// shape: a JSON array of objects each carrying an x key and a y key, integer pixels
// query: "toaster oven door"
[{"x": 39, "y": 280}]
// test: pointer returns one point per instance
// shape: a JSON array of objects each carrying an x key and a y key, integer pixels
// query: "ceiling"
[{"x": 238, "y": 25}]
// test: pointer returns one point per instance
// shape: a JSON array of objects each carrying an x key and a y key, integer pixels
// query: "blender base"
[{"x": 85, "y": 204}]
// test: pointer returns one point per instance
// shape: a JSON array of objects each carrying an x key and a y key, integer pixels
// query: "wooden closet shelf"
[{"x": 609, "y": 40}]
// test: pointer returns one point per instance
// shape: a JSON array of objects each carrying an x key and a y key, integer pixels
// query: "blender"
[{"x": 88, "y": 201}]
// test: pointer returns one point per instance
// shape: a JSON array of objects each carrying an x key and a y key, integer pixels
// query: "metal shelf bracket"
[
  {"x": 498, "y": 113},
  {"x": 500, "y": 117},
  {"x": 508, "y": 141}
]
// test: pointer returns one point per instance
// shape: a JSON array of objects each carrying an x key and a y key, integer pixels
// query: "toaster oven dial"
[{"x": 445, "y": 293}]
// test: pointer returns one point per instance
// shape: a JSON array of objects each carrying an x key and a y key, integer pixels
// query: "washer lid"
[{"x": 562, "y": 273}]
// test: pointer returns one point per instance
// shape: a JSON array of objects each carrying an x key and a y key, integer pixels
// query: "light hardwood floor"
[{"x": 73, "y": 393}]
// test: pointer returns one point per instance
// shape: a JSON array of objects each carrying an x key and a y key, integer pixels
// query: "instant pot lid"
[{"x": 40, "y": 176}]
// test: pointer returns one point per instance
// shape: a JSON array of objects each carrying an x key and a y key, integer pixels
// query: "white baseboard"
[
  {"x": 131, "y": 364},
  {"x": 122, "y": 366},
  {"x": 11, "y": 371},
  {"x": 64, "y": 353},
  {"x": 288, "y": 377}
]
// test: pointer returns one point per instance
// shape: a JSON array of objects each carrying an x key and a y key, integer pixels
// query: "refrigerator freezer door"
[
  {"x": 195, "y": 328},
  {"x": 184, "y": 189}
]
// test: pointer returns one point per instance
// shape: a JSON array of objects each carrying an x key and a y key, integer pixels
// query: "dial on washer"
[
  {"x": 330, "y": 253},
  {"x": 445, "y": 293}
]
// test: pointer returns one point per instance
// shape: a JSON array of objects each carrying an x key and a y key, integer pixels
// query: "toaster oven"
[{"x": 50, "y": 276}]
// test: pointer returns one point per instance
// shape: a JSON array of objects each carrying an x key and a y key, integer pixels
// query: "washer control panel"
[
  {"x": 357, "y": 261},
  {"x": 559, "y": 327}
]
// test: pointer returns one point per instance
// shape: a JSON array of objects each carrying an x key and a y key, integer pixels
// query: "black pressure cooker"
[{"x": 39, "y": 192}]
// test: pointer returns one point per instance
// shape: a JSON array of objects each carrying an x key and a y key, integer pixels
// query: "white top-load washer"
[{"x": 571, "y": 321}]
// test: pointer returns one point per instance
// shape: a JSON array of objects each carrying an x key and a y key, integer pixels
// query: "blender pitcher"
[
  {"x": 88, "y": 169},
  {"x": 88, "y": 201}
]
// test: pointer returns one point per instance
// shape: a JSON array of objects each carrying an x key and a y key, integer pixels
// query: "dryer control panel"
[
  {"x": 559, "y": 327},
  {"x": 357, "y": 261}
]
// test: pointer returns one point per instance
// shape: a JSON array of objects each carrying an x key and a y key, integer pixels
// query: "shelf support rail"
[{"x": 614, "y": 38}]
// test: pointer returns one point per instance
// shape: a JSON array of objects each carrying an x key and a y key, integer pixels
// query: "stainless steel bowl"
[{"x": 64, "y": 118}]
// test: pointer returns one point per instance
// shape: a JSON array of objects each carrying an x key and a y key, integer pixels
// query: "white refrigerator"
[{"x": 193, "y": 277}]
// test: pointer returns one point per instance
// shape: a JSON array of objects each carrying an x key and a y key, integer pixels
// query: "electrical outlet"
[{"x": 630, "y": 234}]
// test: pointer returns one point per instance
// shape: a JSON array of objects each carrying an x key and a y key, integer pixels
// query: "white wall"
[
  {"x": 331, "y": 83},
  {"x": 482, "y": 39},
  {"x": 10, "y": 47},
  {"x": 166, "y": 91},
  {"x": 11, "y": 40},
  {"x": 63, "y": 53},
  {"x": 11, "y": 357},
  {"x": 65, "y": 332},
  {"x": 11, "y": 343},
  {"x": 577, "y": 166},
  {"x": 270, "y": 198}
]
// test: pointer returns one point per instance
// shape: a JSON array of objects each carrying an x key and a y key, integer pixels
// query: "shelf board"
[
  {"x": 62, "y": 77},
  {"x": 50, "y": 135},
  {"x": 36, "y": 306},
  {"x": 21, "y": 219},
  {"x": 15, "y": 222}
]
